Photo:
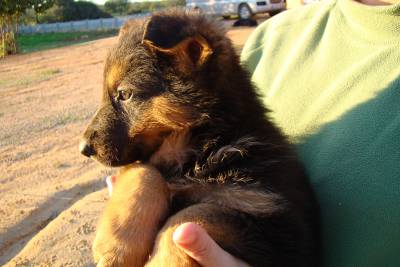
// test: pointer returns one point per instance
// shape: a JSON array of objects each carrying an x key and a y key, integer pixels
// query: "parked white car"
[{"x": 244, "y": 9}]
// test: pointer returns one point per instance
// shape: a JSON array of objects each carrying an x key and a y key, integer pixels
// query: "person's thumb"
[{"x": 195, "y": 242}]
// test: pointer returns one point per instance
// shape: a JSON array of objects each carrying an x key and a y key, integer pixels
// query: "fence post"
[
  {"x": 72, "y": 26},
  {"x": 87, "y": 24},
  {"x": 101, "y": 24}
]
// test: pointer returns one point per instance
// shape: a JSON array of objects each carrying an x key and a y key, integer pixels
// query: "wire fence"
[{"x": 80, "y": 25}]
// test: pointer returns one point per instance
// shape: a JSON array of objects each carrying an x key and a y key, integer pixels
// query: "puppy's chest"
[
  {"x": 173, "y": 152},
  {"x": 180, "y": 163},
  {"x": 211, "y": 176}
]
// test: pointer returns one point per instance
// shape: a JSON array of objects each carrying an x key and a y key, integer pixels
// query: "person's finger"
[{"x": 195, "y": 242}]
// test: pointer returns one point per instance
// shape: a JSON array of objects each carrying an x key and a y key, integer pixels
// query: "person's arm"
[{"x": 196, "y": 243}]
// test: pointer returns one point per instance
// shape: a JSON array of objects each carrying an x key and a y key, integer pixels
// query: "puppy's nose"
[{"x": 85, "y": 148}]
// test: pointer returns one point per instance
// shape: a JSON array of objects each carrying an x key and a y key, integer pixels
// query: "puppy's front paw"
[{"x": 131, "y": 220}]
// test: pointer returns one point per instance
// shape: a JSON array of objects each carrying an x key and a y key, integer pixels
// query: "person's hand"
[{"x": 196, "y": 243}]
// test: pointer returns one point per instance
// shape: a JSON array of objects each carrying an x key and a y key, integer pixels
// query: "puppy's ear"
[
  {"x": 133, "y": 23},
  {"x": 165, "y": 36}
]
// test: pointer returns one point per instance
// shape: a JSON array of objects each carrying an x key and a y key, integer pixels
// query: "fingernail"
[{"x": 185, "y": 234}]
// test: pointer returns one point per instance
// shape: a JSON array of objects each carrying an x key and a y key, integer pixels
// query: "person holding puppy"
[{"x": 331, "y": 74}]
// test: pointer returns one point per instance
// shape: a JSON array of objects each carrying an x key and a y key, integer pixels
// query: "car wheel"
[
  {"x": 197, "y": 9},
  {"x": 244, "y": 11}
]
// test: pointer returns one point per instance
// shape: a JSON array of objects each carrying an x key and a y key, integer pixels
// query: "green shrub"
[{"x": 68, "y": 10}]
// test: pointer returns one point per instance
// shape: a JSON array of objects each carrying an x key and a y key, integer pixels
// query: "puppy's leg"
[
  {"x": 212, "y": 218},
  {"x": 132, "y": 218},
  {"x": 274, "y": 238}
]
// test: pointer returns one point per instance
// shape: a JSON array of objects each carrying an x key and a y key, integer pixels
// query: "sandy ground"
[{"x": 50, "y": 195}]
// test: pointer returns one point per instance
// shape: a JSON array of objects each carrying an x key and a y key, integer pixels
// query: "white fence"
[{"x": 81, "y": 25}]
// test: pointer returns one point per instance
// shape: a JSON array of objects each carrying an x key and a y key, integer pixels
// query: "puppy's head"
[{"x": 158, "y": 83}]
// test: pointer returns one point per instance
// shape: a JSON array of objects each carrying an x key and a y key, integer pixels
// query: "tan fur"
[
  {"x": 174, "y": 150},
  {"x": 126, "y": 238},
  {"x": 166, "y": 253},
  {"x": 163, "y": 117},
  {"x": 165, "y": 129},
  {"x": 114, "y": 76},
  {"x": 166, "y": 113},
  {"x": 181, "y": 53}
]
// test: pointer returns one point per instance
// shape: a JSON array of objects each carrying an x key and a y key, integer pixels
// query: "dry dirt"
[{"x": 50, "y": 195}]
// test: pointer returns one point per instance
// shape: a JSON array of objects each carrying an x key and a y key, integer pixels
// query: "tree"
[
  {"x": 88, "y": 10},
  {"x": 40, "y": 6},
  {"x": 151, "y": 6},
  {"x": 119, "y": 7},
  {"x": 10, "y": 13},
  {"x": 67, "y": 10}
]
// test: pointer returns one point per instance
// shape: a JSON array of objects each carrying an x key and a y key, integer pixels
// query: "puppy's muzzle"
[{"x": 85, "y": 148}]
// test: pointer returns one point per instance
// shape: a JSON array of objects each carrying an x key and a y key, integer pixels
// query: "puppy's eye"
[{"x": 124, "y": 94}]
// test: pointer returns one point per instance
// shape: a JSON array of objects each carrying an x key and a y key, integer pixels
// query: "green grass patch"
[{"x": 35, "y": 42}]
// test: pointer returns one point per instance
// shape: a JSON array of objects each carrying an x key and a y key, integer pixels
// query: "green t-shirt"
[{"x": 330, "y": 72}]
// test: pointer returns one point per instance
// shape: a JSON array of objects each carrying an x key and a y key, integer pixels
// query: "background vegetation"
[
  {"x": 36, "y": 42},
  {"x": 15, "y": 12},
  {"x": 67, "y": 10},
  {"x": 124, "y": 7}
]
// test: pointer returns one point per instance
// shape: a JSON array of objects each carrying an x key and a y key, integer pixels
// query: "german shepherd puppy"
[{"x": 179, "y": 106}]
